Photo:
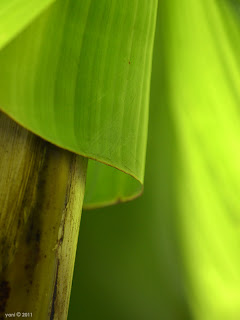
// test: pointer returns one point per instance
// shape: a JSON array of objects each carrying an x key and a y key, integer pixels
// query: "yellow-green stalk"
[{"x": 41, "y": 196}]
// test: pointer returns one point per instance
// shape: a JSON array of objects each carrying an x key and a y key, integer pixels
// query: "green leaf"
[
  {"x": 79, "y": 77},
  {"x": 202, "y": 75},
  {"x": 129, "y": 257},
  {"x": 15, "y": 15}
]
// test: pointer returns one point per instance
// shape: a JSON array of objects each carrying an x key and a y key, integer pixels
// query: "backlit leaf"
[{"x": 202, "y": 74}]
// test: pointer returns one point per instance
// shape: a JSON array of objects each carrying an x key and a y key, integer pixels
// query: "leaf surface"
[
  {"x": 79, "y": 77},
  {"x": 15, "y": 15},
  {"x": 129, "y": 257}
]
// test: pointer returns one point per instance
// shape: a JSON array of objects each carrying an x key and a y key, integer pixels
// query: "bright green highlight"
[
  {"x": 202, "y": 50},
  {"x": 15, "y": 15},
  {"x": 79, "y": 77}
]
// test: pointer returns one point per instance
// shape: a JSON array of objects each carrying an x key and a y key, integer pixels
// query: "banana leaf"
[
  {"x": 79, "y": 77},
  {"x": 129, "y": 262}
]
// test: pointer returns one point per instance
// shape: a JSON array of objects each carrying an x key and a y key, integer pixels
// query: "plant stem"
[{"x": 41, "y": 196}]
